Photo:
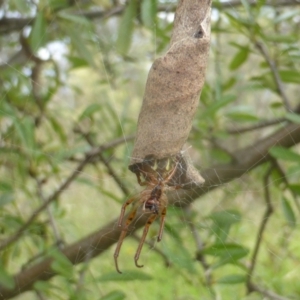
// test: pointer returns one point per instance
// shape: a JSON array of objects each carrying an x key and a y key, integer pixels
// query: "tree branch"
[{"x": 99, "y": 241}]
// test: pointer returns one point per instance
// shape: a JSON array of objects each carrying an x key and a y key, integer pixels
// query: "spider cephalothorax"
[{"x": 156, "y": 176}]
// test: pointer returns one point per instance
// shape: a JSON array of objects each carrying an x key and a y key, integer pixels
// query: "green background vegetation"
[{"x": 72, "y": 78}]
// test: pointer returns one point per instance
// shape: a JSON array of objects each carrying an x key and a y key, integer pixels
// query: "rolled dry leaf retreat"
[{"x": 172, "y": 93}]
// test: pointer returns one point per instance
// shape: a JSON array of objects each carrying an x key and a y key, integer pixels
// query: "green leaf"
[
  {"x": 25, "y": 129},
  {"x": 19, "y": 5},
  {"x": 288, "y": 14},
  {"x": 228, "y": 84},
  {"x": 5, "y": 187},
  {"x": 114, "y": 295},
  {"x": 288, "y": 212},
  {"x": 126, "y": 28},
  {"x": 64, "y": 153},
  {"x": 58, "y": 129},
  {"x": 125, "y": 276},
  {"x": 37, "y": 37},
  {"x": 180, "y": 256},
  {"x": 77, "y": 20},
  {"x": 148, "y": 12},
  {"x": 295, "y": 118},
  {"x": 290, "y": 76},
  {"x": 217, "y": 105},
  {"x": 284, "y": 154},
  {"x": 247, "y": 7},
  {"x": 6, "y": 198},
  {"x": 242, "y": 113},
  {"x": 77, "y": 62},
  {"x": 57, "y": 4},
  {"x": 6, "y": 280},
  {"x": 61, "y": 263},
  {"x": 229, "y": 251},
  {"x": 42, "y": 286},
  {"x": 220, "y": 155},
  {"x": 232, "y": 279},
  {"x": 280, "y": 38},
  {"x": 226, "y": 217},
  {"x": 295, "y": 188},
  {"x": 239, "y": 58},
  {"x": 89, "y": 111},
  {"x": 223, "y": 221},
  {"x": 241, "y": 24},
  {"x": 78, "y": 41}
]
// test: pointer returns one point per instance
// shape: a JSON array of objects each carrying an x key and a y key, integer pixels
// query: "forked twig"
[{"x": 275, "y": 74}]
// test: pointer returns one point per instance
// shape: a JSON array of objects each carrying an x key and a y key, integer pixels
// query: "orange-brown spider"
[{"x": 157, "y": 176}]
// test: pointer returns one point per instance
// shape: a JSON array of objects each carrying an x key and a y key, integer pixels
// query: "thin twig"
[
  {"x": 264, "y": 221},
  {"x": 275, "y": 74},
  {"x": 88, "y": 157},
  {"x": 58, "y": 239},
  {"x": 108, "y": 166},
  {"x": 256, "y": 126},
  {"x": 199, "y": 245},
  {"x": 265, "y": 292}
]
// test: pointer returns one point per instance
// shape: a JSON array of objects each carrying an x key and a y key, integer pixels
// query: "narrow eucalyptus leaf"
[
  {"x": 38, "y": 34},
  {"x": 232, "y": 279},
  {"x": 288, "y": 212},
  {"x": 114, "y": 295},
  {"x": 285, "y": 154},
  {"x": 126, "y": 276},
  {"x": 126, "y": 28}
]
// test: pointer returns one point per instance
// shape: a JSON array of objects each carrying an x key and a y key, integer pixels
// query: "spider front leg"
[
  {"x": 162, "y": 212},
  {"x": 125, "y": 229},
  {"x": 123, "y": 209},
  {"x": 162, "y": 224},
  {"x": 150, "y": 220}
]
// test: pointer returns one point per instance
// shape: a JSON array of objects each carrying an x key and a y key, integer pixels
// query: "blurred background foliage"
[{"x": 72, "y": 79}]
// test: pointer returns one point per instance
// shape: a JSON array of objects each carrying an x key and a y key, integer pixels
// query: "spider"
[{"x": 157, "y": 176}]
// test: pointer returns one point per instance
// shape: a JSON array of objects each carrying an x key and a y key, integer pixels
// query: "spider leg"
[
  {"x": 123, "y": 209},
  {"x": 123, "y": 235},
  {"x": 162, "y": 223},
  {"x": 145, "y": 232}
]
